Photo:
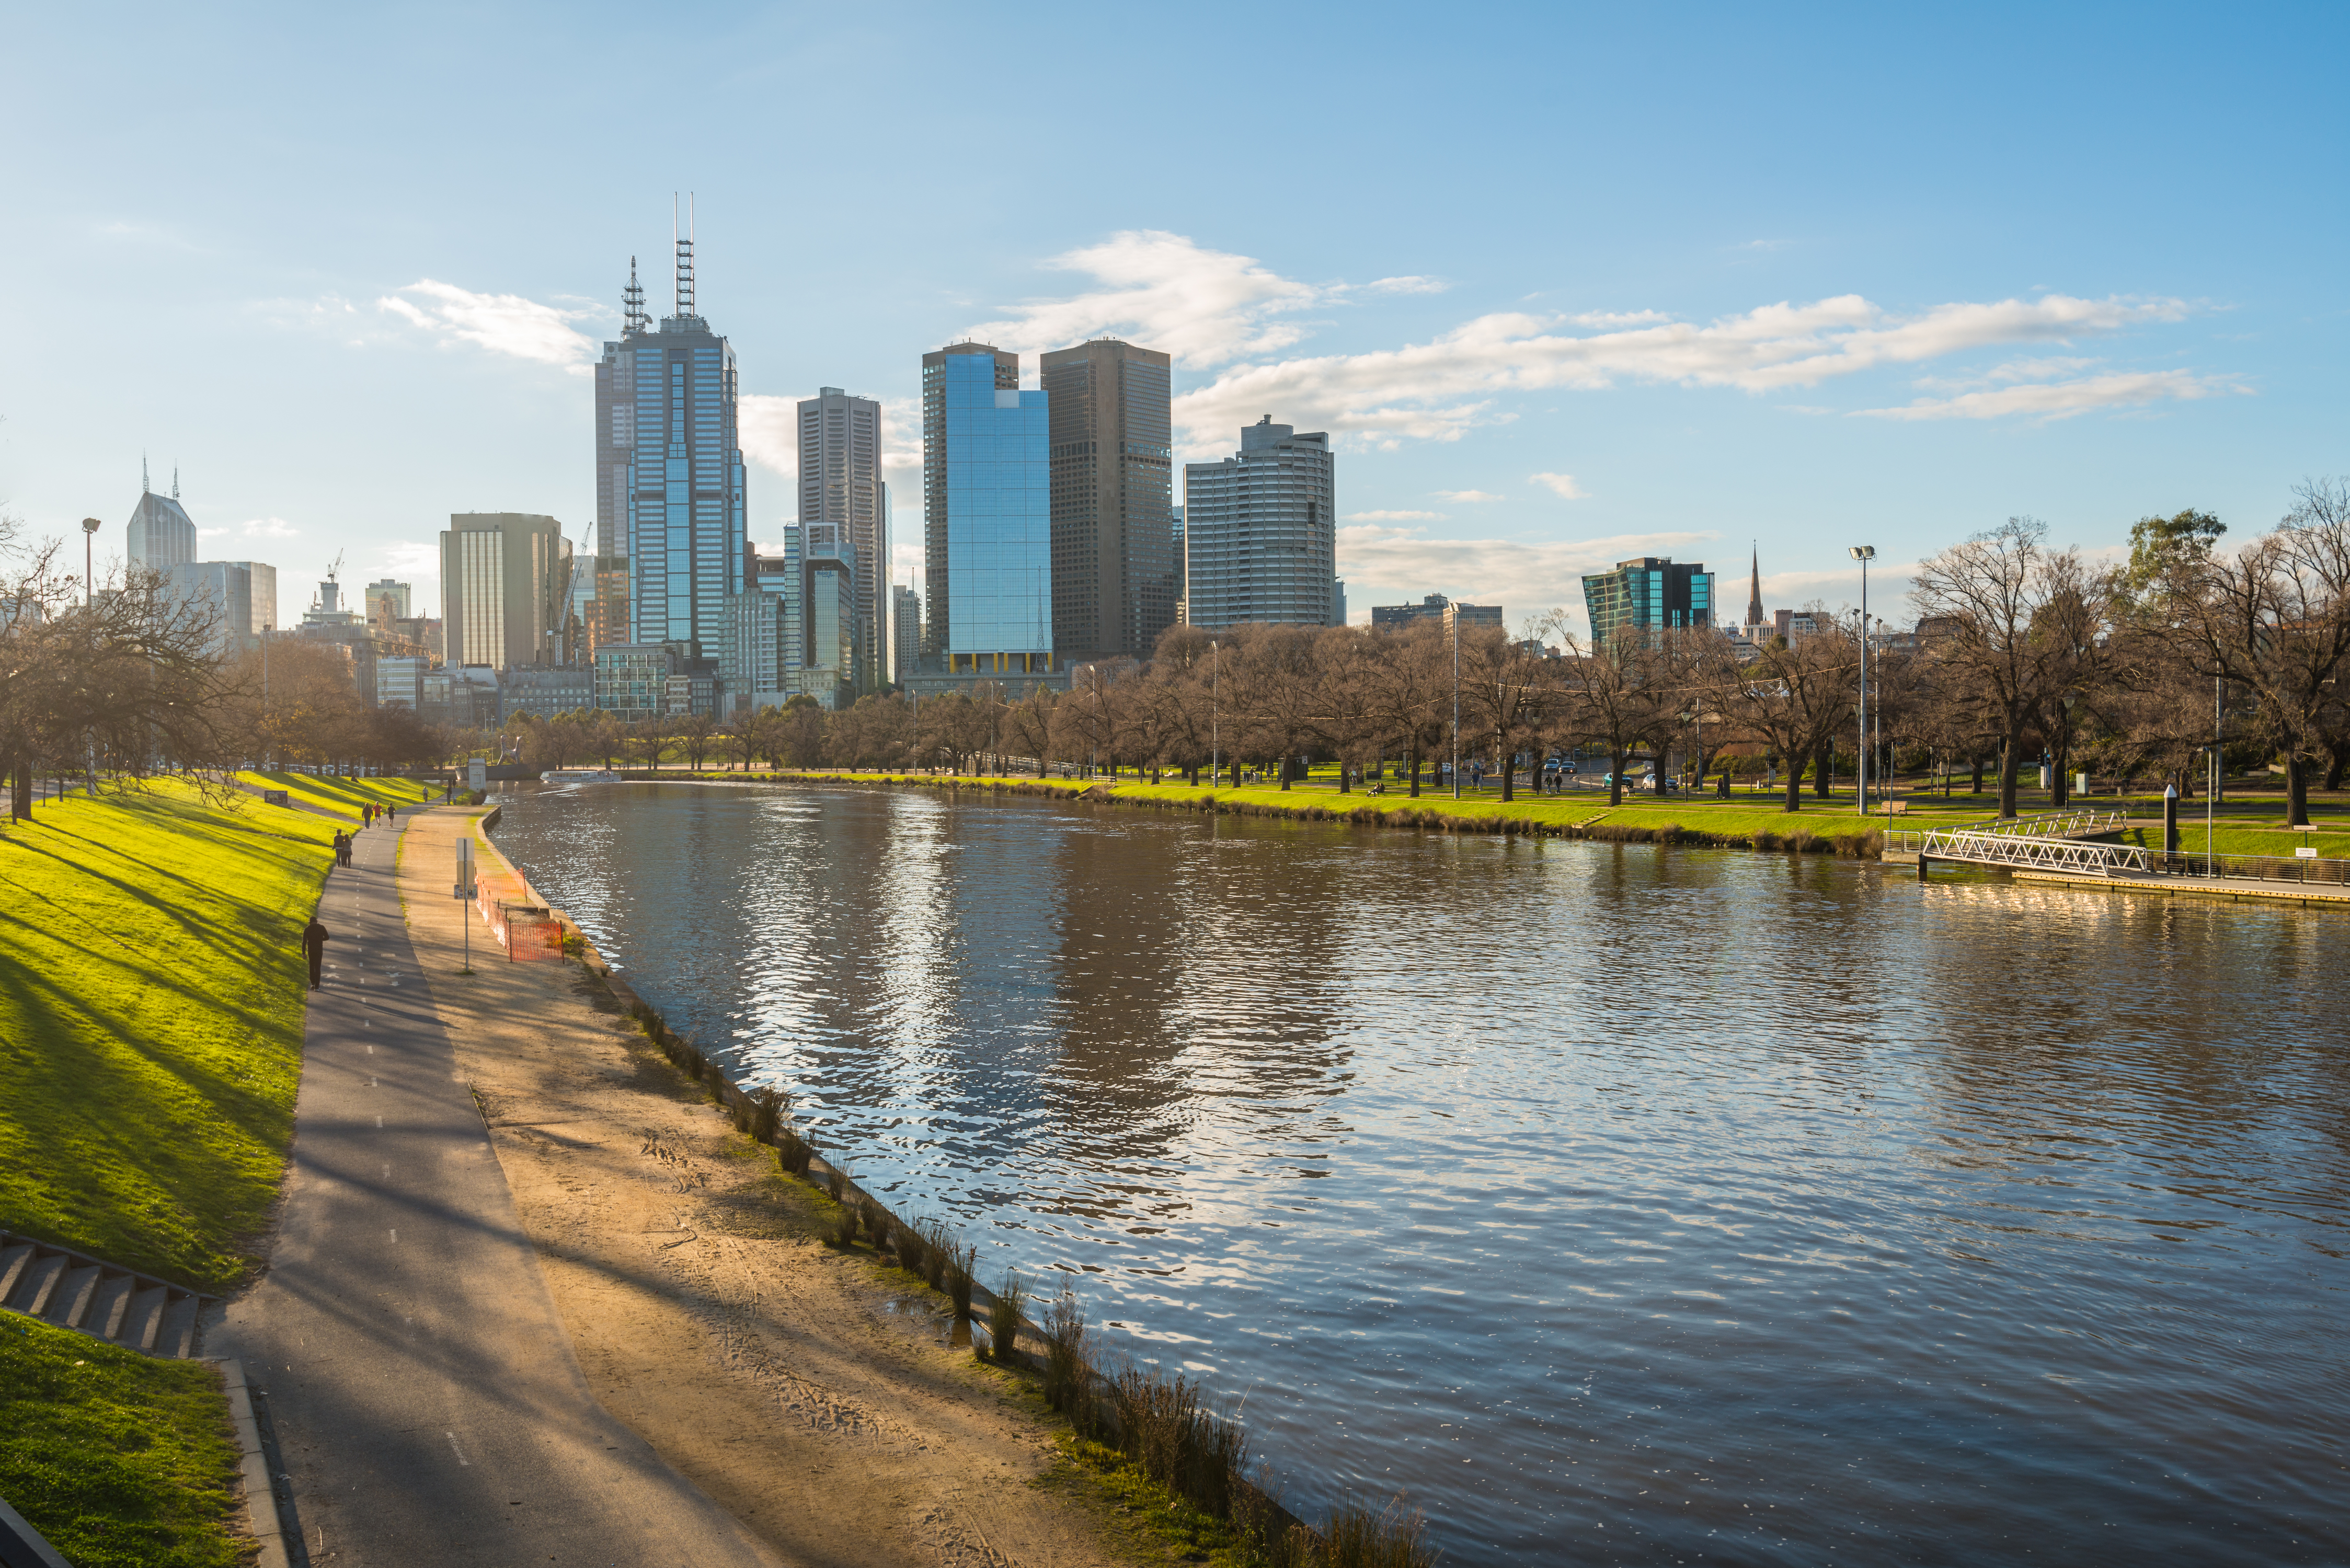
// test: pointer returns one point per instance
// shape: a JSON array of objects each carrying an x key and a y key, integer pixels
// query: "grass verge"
[
  {"x": 120, "y": 1460},
  {"x": 341, "y": 795},
  {"x": 151, "y": 1025}
]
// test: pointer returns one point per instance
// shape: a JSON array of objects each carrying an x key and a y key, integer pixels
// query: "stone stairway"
[{"x": 97, "y": 1298}]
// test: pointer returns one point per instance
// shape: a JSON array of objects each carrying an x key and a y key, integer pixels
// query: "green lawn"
[
  {"x": 343, "y": 796},
  {"x": 120, "y": 1460},
  {"x": 151, "y": 1024}
]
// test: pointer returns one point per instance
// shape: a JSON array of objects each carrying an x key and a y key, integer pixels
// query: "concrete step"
[{"x": 97, "y": 1298}]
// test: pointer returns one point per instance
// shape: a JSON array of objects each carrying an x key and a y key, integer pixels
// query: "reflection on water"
[{"x": 1650, "y": 1206}]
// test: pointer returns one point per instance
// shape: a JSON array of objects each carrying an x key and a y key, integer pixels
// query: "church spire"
[{"x": 1754, "y": 594}]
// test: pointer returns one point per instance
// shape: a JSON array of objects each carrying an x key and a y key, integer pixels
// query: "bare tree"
[
  {"x": 2275, "y": 621},
  {"x": 1794, "y": 698},
  {"x": 1999, "y": 632}
]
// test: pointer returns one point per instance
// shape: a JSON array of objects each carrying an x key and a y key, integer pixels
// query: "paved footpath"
[{"x": 428, "y": 1405}]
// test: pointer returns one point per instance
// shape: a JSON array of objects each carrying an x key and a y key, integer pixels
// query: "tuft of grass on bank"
[
  {"x": 121, "y": 1460},
  {"x": 151, "y": 1024},
  {"x": 343, "y": 796}
]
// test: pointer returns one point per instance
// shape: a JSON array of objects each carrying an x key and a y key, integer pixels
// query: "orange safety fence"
[{"x": 521, "y": 924}]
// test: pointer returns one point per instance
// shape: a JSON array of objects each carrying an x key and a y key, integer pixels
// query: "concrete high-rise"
[
  {"x": 905, "y": 631},
  {"x": 986, "y": 516},
  {"x": 384, "y": 588},
  {"x": 505, "y": 580},
  {"x": 841, "y": 488},
  {"x": 669, "y": 467},
  {"x": 1260, "y": 534},
  {"x": 1114, "y": 578}
]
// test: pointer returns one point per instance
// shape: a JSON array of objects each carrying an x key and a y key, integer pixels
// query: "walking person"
[
  {"x": 342, "y": 848},
  {"x": 315, "y": 938}
]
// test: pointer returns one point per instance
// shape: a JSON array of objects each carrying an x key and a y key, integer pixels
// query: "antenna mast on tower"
[
  {"x": 633, "y": 319},
  {"x": 144, "y": 488},
  {"x": 684, "y": 253}
]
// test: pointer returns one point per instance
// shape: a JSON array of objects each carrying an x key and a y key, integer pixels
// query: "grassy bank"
[
  {"x": 120, "y": 1460},
  {"x": 151, "y": 1024},
  {"x": 341, "y": 795}
]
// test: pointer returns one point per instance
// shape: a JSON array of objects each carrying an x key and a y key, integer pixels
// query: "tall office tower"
[
  {"x": 1645, "y": 595},
  {"x": 1113, "y": 499},
  {"x": 265, "y": 596},
  {"x": 1183, "y": 576},
  {"x": 841, "y": 487},
  {"x": 906, "y": 631},
  {"x": 160, "y": 535},
  {"x": 386, "y": 589},
  {"x": 831, "y": 600},
  {"x": 1754, "y": 615},
  {"x": 225, "y": 589},
  {"x": 941, "y": 437},
  {"x": 604, "y": 621},
  {"x": 1260, "y": 542},
  {"x": 779, "y": 576},
  {"x": 669, "y": 479},
  {"x": 506, "y": 578}
]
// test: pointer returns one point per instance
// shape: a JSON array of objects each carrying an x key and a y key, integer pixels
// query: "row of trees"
[
  {"x": 2023, "y": 652},
  {"x": 127, "y": 678}
]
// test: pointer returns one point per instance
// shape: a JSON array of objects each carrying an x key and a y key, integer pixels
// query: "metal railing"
[
  {"x": 2047, "y": 824},
  {"x": 2086, "y": 857}
]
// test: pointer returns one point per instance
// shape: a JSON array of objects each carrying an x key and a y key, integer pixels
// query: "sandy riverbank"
[{"x": 807, "y": 1393}]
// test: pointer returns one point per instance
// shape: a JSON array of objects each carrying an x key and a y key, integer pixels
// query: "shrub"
[
  {"x": 1068, "y": 1385},
  {"x": 1357, "y": 1536},
  {"x": 912, "y": 1252},
  {"x": 1766, "y": 841},
  {"x": 836, "y": 1181},
  {"x": 1165, "y": 1427},
  {"x": 1003, "y": 1317},
  {"x": 766, "y": 1116},
  {"x": 793, "y": 1152},
  {"x": 844, "y": 1227},
  {"x": 937, "y": 1246}
]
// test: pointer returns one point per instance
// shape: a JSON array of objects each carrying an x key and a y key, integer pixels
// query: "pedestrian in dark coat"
[
  {"x": 342, "y": 855},
  {"x": 315, "y": 938}
]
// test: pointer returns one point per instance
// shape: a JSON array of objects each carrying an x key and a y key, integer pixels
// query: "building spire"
[
  {"x": 633, "y": 319},
  {"x": 175, "y": 481},
  {"x": 144, "y": 488},
  {"x": 684, "y": 253},
  {"x": 1754, "y": 594}
]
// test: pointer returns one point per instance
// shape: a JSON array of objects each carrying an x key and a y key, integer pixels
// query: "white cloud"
[
  {"x": 210, "y": 533},
  {"x": 1470, "y": 495},
  {"x": 1394, "y": 516},
  {"x": 1406, "y": 286},
  {"x": 2064, "y": 400},
  {"x": 1161, "y": 290},
  {"x": 1562, "y": 485},
  {"x": 269, "y": 528},
  {"x": 1528, "y": 579},
  {"x": 1436, "y": 391},
  {"x": 403, "y": 561},
  {"x": 503, "y": 323},
  {"x": 769, "y": 429}
]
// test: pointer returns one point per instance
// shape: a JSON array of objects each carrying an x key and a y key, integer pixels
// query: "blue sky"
[{"x": 1568, "y": 284}]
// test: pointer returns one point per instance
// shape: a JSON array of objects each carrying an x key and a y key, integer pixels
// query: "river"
[{"x": 1614, "y": 1203}]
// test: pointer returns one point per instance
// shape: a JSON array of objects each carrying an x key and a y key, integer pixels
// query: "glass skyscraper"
[
  {"x": 1646, "y": 594},
  {"x": 988, "y": 527},
  {"x": 1113, "y": 499},
  {"x": 669, "y": 483}
]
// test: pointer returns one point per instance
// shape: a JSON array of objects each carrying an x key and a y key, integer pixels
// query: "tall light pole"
[
  {"x": 1864, "y": 553},
  {"x": 89, "y": 527},
  {"x": 1215, "y": 711},
  {"x": 1453, "y": 613}
]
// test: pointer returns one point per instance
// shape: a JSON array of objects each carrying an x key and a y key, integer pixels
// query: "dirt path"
[{"x": 815, "y": 1400}]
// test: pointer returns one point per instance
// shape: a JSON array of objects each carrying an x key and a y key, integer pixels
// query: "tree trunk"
[
  {"x": 2011, "y": 763},
  {"x": 1192, "y": 775},
  {"x": 1615, "y": 761},
  {"x": 2337, "y": 758},
  {"x": 2297, "y": 790},
  {"x": 1820, "y": 765},
  {"x": 1794, "y": 789},
  {"x": 1509, "y": 779},
  {"x": 1977, "y": 788},
  {"x": 20, "y": 790},
  {"x": 1414, "y": 760}
]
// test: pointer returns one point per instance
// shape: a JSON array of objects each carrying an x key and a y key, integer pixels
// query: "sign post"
[{"x": 465, "y": 891}]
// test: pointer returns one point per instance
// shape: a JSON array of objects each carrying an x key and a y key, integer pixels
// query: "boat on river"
[{"x": 580, "y": 775}]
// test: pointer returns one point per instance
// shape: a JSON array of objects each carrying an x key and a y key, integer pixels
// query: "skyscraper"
[
  {"x": 1259, "y": 541},
  {"x": 670, "y": 482},
  {"x": 906, "y": 631},
  {"x": 1113, "y": 499},
  {"x": 384, "y": 588},
  {"x": 505, "y": 580},
  {"x": 264, "y": 578},
  {"x": 987, "y": 514},
  {"x": 160, "y": 535},
  {"x": 1646, "y": 594},
  {"x": 841, "y": 488}
]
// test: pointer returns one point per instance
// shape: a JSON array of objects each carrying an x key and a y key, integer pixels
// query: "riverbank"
[{"x": 815, "y": 1395}]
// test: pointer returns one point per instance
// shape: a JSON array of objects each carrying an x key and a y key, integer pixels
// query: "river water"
[{"x": 1616, "y": 1204}]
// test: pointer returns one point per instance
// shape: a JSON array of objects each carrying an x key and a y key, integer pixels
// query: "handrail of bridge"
[
  {"x": 2046, "y": 824},
  {"x": 2090, "y": 858}
]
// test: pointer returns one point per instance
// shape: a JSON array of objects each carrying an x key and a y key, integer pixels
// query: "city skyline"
[{"x": 1656, "y": 320}]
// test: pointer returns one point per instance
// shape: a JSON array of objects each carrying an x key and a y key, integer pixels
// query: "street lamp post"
[
  {"x": 1864, "y": 553},
  {"x": 89, "y": 527},
  {"x": 1215, "y": 711},
  {"x": 1455, "y": 613}
]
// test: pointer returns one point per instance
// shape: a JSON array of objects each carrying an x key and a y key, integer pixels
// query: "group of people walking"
[{"x": 315, "y": 935}]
